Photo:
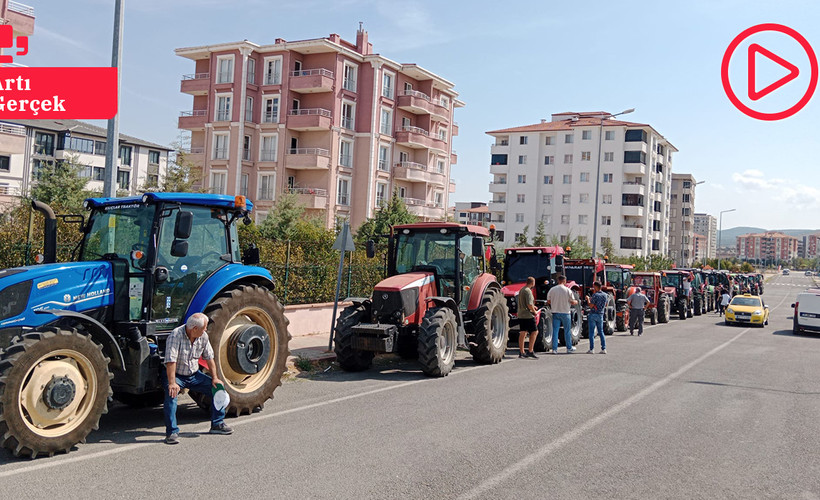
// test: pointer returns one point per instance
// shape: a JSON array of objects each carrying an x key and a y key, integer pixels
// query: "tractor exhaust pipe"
[{"x": 49, "y": 233}]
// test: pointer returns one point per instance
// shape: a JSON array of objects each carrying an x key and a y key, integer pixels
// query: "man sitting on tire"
[
  {"x": 184, "y": 347},
  {"x": 560, "y": 299}
]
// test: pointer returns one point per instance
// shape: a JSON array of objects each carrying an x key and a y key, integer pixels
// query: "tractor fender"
[
  {"x": 358, "y": 301},
  {"x": 481, "y": 284},
  {"x": 445, "y": 302},
  {"x": 99, "y": 333},
  {"x": 225, "y": 278}
]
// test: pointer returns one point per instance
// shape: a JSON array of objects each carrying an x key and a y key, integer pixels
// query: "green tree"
[
  {"x": 389, "y": 214},
  {"x": 579, "y": 248},
  {"x": 181, "y": 175},
  {"x": 523, "y": 240},
  {"x": 61, "y": 185},
  {"x": 540, "y": 239},
  {"x": 607, "y": 247},
  {"x": 290, "y": 221}
]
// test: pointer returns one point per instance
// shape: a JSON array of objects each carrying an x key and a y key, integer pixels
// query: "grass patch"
[{"x": 303, "y": 364}]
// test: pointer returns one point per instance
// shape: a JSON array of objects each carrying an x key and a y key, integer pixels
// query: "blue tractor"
[{"x": 74, "y": 334}]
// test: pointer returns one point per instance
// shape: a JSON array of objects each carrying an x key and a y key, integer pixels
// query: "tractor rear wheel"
[
  {"x": 54, "y": 386},
  {"x": 576, "y": 321},
  {"x": 438, "y": 340},
  {"x": 610, "y": 316},
  {"x": 682, "y": 307},
  {"x": 663, "y": 309},
  {"x": 690, "y": 308},
  {"x": 249, "y": 335},
  {"x": 697, "y": 305},
  {"x": 543, "y": 342},
  {"x": 490, "y": 328},
  {"x": 350, "y": 358}
]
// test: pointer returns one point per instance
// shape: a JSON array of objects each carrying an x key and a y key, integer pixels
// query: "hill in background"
[{"x": 729, "y": 236}]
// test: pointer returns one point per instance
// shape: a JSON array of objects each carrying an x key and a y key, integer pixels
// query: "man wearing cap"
[{"x": 183, "y": 348}]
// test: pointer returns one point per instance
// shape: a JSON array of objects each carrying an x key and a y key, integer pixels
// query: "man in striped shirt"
[{"x": 183, "y": 348}]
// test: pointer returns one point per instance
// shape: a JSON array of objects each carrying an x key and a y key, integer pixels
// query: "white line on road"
[{"x": 582, "y": 429}]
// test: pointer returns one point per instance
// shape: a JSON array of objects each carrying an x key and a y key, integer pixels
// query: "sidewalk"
[{"x": 310, "y": 349}]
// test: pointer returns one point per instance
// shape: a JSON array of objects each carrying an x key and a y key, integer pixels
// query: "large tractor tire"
[
  {"x": 490, "y": 329},
  {"x": 682, "y": 307},
  {"x": 348, "y": 357},
  {"x": 663, "y": 309},
  {"x": 610, "y": 316},
  {"x": 697, "y": 305},
  {"x": 543, "y": 342},
  {"x": 249, "y": 335},
  {"x": 54, "y": 386},
  {"x": 690, "y": 308},
  {"x": 576, "y": 322},
  {"x": 653, "y": 316},
  {"x": 622, "y": 320},
  {"x": 438, "y": 340}
]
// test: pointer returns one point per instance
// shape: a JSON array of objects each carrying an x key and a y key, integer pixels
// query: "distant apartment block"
[
  {"x": 326, "y": 119},
  {"x": 472, "y": 212},
  {"x": 810, "y": 246},
  {"x": 701, "y": 247},
  {"x": 706, "y": 225},
  {"x": 769, "y": 246},
  {"x": 547, "y": 171},
  {"x": 682, "y": 219},
  {"x": 29, "y": 146}
]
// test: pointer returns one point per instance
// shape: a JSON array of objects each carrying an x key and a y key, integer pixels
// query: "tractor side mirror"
[
  {"x": 160, "y": 275},
  {"x": 179, "y": 248},
  {"x": 250, "y": 257},
  {"x": 792, "y": 306},
  {"x": 478, "y": 247},
  {"x": 184, "y": 223},
  {"x": 370, "y": 249}
]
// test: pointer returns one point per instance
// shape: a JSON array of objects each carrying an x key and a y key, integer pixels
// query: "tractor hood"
[
  {"x": 512, "y": 289},
  {"x": 75, "y": 286},
  {"x": 404, "y": 282}
]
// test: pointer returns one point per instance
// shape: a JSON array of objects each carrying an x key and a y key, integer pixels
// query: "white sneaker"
[
  {"x": 571, "y": 350},
  {"x": 603, "y": 351},
  {"x": 591, "y": 351}
]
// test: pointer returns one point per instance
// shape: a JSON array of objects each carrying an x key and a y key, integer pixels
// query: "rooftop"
[{"x": 82, "y": 128}]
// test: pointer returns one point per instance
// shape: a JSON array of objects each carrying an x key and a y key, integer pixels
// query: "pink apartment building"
[
  {"x": 771, "y": 246},
  {"x": 326, "y": 119}
]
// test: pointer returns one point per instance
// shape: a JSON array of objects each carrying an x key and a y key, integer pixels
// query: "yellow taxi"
[{"x": 747, "y": 309}]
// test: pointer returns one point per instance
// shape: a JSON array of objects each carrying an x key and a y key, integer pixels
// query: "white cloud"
[{"x": 791, "y": 194}]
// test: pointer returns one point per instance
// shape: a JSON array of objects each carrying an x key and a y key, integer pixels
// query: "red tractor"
[
  {"x": 674, "y": 284},
  {"x": 619, "y": 277},
  {"x": 581, "y": 274},
  {"x": 659, "y": 307},
  {"x": 438, "y": 296},
  {"x": 542, "y": 263}
]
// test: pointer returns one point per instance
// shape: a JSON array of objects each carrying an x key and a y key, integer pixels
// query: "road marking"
[{"x": 568, "y": 437}]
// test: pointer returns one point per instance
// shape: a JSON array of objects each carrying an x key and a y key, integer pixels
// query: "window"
[
  {"x": 343, "y": 191},
  {"x": 522, "y": 179},
  {"x": 522, "y": 140},
  {"x": 223, "y": 108},
  {"x": 549, "y": 160},
  {"x": 98, "y": 174},
  {"x": 384, "y": 158},
  {"x": 685, "y": 212},
  {"x": 124, "y": 179},
  {"x": 656, "y": 225},
  {"x": 125, "y": 155},
  {"x": 5, "y": 163},
  {"x": 567, "y": 179},
  {"x": 251, "y": 70},
  {"x": 635, "y": 136},
  {"x": 674, "y": 197},
  {"x": 243, "y": 187},
  {"x": 568, "y": 139},
  {"x": 606, "y": 199},
  {"x": 585, "y": 155},
  {"x": 609, "y": 156},
  {"x": 608, "y": 177},
  {"x": 84, "y": 172},
  {"x": 522, "y": 159},
  {"x": 152, "y": 180},
  {"x": 77, "y": 144},
  {"x": 345, "y": 153},
  {"x": 520, "y": 198},
  {"x": 606, "y": 220},
  {"x": 632, "y": 200},
  {"x": 547, "y": 200},
  {"x": 39, "y": 166},
  {"x": 387, "y": 84},
  {"x": 584, "y": 176},
  {"x": 583, "y": 197},
  {"x": 153, "y": 157},
  {"x": 266, "y": 186},
  {"x": 270, "y": 110},
  {"x": 224, "y": 65},
  {"x": 671, "y": 226},
  {"x": 609, "y": 135},
  {"x": 273, "y": 71},
  {"x": 249, "y": 109},
  {"x": 438, "y": 199},
  {"x": 630, "y": 243},
  {"x": 565, "y": 199},
  {"x": 440, "y": 166},
  {"x": 567, "y": 159},
  {"x": 547, "y": 179},
  {"x": 387, "y": 121},
  {"x": 582, "y": 219},
  {"x": 673, "y": 212},
  {"x": 219, "y": 182},
  {"x": 564, "y": 220},
  {"x": 99, "y": 147},
  {"x": 381, "y": 193},
  {"x": 548, "y": 140},
  {"x": 498, "y": 160},
  {"x": 348, "y": 113},
  {"x": 658, "y": 187},
  {"x": 586, "y": 135},
  {"x": 246, "y": 148},
  {"x": 442, "y": 134},
  {"x": 519, "y": 217},
  {"x": 220, "y": 146},
  {"x": 350, "y": 80},
  {"x": 686, "y": 197},
  {"x": 267, "y": 152},
  {"x": 634, "y": 157},
  {"x": 687, "y": 184},
  {"x": 43, "y": 144}
]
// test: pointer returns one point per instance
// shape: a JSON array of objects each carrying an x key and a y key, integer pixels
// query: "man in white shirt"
[{"x": 561, "y": 299}]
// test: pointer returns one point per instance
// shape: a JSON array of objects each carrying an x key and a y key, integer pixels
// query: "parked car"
[
  {"x": 785, "y": 272},
  {"x": 807, "y": 312},
  {"x": 808, "y": 273},
  {"x": 748, "y": 309}
]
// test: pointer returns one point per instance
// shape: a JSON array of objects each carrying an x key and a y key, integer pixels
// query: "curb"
[{"x": 318, "y": 362}]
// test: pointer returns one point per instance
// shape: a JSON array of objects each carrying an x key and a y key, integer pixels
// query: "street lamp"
[
  {"x": 682, "y": 226},
  {"x": 720, "y": 231},
  {"x": 598, "y": 179}
]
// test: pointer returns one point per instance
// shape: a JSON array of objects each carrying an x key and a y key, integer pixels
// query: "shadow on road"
[{"x": 803, "y": 335}]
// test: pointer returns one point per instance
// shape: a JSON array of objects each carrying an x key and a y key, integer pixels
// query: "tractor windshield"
[
  {"x": 117, "y": 231},
  {"x": 673, "y": 280},
  {"x": 581, "y": 275},
  {"x": 520, "y": 266},
  {"x": 432, "y": 249},
  {"x": 615, "y": 278}
]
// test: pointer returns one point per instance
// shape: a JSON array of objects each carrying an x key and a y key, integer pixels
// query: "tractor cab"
[
  {"x": 542, "y": 263},
  {"x": 619, "y": 277},
  {"x": 582, "y": 273}
]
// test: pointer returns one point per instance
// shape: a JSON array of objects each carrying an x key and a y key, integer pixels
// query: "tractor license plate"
[{"x": 375, "y": 338}]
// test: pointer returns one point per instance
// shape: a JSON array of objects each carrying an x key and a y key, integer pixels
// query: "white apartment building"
[
  {"x": 682, "y": 219},
  {"x": 706, "y": 225},
  {"x": 546, "y": 172}
]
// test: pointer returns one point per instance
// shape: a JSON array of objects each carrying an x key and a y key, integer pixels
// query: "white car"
[
  {"x": 807, "y": 312},
  {"x": 785, "y": 272}
]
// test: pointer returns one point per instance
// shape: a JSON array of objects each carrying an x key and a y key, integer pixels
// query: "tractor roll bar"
[{"x": 49, "y": 233}]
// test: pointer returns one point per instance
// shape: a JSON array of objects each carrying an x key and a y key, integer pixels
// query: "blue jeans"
[
  {"x": 559, "y": 319},
  {"x": 596, "y": 322},
  {"x": 198, "y": 382}
]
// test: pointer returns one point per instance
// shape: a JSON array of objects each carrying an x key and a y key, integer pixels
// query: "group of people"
[{"x": 723, "y": 299}]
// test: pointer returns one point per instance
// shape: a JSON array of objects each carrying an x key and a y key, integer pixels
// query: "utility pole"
[{"x": 113, "y": 137}]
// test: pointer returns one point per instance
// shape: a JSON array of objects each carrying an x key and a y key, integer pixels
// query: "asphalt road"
[{"x": 692, "y": 409}]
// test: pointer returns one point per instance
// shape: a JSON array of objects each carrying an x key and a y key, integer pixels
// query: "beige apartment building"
[
  {"x": 682, "y": 219},
  {"x": 329, "y": 120}
]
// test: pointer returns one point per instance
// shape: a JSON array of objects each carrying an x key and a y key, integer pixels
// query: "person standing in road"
[
  {"x": 724, "y": 302},
  {"x": 595, "y": 318},
  {"x": 561, "y": 299},
  {"x": 637, "y": 305},
  {"x": 184, "y": 347},
  {"x": 526, "y": 319}
]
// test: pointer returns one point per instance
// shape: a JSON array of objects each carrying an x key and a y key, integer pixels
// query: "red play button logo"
[{"x": 754, "y": 50}]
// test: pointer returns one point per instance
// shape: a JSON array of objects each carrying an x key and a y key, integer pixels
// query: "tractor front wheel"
[
  {"x": 663, "y": 309},
  {"x": 682, "y": 307},
  {"x": 653, "y": 316},
  {"x": 622, "y": 318},
  {"x": 350, "y": 358},
  {"x": 54, "y": 386},
  {"x": 490, "y": 329},
  {"x": 438, "y": 339}
]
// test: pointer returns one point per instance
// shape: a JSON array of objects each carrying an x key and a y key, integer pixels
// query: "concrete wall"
[{"x": 308, "y": 319}]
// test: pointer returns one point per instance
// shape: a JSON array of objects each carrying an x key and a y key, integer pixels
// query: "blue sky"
[{"x": 513, "y": 63}]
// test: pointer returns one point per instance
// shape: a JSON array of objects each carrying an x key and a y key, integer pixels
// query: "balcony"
[
  {"x": 21, "y": 17},
  {"x": 632, "y": 210},
  {"x": 308, "y": 159},
  {"x": 498, "y": 187},
  {"x": 634, "y": 188},
  {"x": 632, "y": 230},
  {"x": 635, "y": 168},
  {"x": 454, "y": 128},
  {"x": 193, "y": 120},
  {"x": 195, "y": 84},
  {"x": 12, "y": 129},
  {"x": 424, "y": 209},
  {"x": 311, "y": 81},
  {"x": 309, "y": 119},
  {"x": 418, "y": 138},
  {"x": 452, "y": 186},
  {"x": 499, "y": 169},
  {"x": 497, "y": 206},
  {"x": 453, "y": 158},
  {"x": 416, "y": 172},
  {"x": 310, "y": 198},
  {"x": 420, "y": 103},
  {"x": 636, "y": 146}
]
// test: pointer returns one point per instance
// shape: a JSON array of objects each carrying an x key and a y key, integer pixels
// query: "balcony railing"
[
  {"x": 310, "y": 111},
  {"x": 309, "y": 151},
  {"x": 309, "y": 191},
  {"x": 196, "y": 76},
  {"x": 313, "y": 72},
  {"x": 196, "y": 112},
  {"x": 7, "y": 128},
  {"x": 414, "y": 130},
  {"x": 416, "y": 93},
  {"x": 21, "y": 8},
  {"x": 411, "y": 164},
  {"x": 413, "y": 202}
]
